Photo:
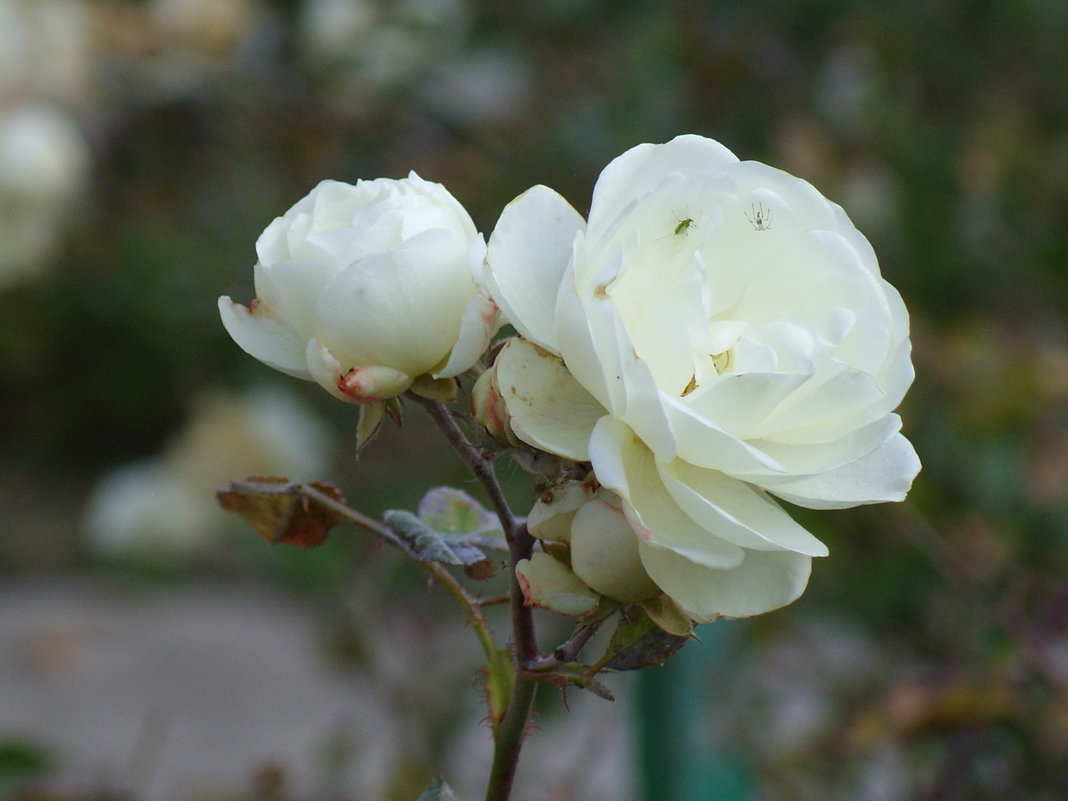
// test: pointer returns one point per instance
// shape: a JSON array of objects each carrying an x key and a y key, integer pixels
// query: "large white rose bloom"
[
  {"x": 716, "y": 332},
  {"x": 366, "y": 288}
]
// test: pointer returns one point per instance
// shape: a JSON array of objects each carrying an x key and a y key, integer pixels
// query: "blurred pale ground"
[
  {"x": 144, "y": 144},
  {"x": 201, "y": 693}
]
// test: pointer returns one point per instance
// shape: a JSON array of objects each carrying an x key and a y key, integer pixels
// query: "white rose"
[
  {"x": 366, "y": 289},
  {"x": 718, "y": 331}
]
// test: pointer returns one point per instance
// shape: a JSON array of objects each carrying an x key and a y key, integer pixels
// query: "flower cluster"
[{"x": 714, "y": 336}]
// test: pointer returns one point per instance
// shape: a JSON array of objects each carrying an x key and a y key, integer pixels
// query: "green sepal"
[
  {"x": 369, "y": 423},
  {"x": 442, "y": 390},
  {"x": 669, "y": 616},
  {"x": 638, "y": 642}
]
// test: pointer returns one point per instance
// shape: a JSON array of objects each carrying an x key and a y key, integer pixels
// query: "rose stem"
[{"x": 509, "y": 732}]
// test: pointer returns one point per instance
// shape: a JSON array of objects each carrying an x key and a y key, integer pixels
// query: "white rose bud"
[
  {"x": 551, "y": 517},
  {"x": 717, "y": 333},
  {"x": 603, "y": 548},
  {"x": 604, "y": 552},
  {"x": 367, "y": 289}
]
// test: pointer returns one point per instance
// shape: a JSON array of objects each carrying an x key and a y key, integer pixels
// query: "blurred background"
[{"x": 150, "y": 647}]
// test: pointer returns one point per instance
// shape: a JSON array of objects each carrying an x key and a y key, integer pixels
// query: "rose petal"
[
  {"x": 446, "y": 211},
  {"x": 547, "y": 407},
  {"x": 575, "y": 336},
  {"x": 741, "y": 402},
  {"x": 897, "y": 372},
  {"x": 424, "y": 281},
  {"x": 325, "y": 369},
  {"x": 478, "y": 324},
  {"x": 765, "y": 580},
  {"x": 639, "y": 171},
  {"x": 703, "y": 443},
  {"x": 819, "y": 457},
  {"x": 263, "y": 336},
  {"x": 806, "y": 207},
  {"x": 374, "y": 383},
  {"x": 818, "y": 274},
  {"x": 624, "y": 465},
  {"x": 736, "y": 511},
  {"x": 551, "y": 519},
  {"x": 832, "y": 403},
  {"x": 628, "y": 381},
  {"x": 604, "y": 553},
  {"x": 885, "y": 474},
  {"x": 550, "y": 584},
  {"x": 527, "y": 255},
  {"x": 667, "y": 316},
  {"x": 291, "y": 289}
]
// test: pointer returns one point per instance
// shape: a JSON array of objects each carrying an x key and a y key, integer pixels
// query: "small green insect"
[{"x": 685, "y": 225}]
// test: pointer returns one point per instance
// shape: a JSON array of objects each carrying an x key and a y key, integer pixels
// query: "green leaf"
[
  {"x": 272, "y": 506},
  {"x": 638, "y": 642},
  {"x": 431, "y": 545},
  {"x": 437, "y": 791},
  {"x": 453, "y": 511}
]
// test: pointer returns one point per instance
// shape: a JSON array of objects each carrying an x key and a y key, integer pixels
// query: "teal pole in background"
[{"x": 678, "y": 758}]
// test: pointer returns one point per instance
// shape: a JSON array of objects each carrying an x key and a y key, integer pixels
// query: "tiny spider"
[{"x": 761, "y": 219}]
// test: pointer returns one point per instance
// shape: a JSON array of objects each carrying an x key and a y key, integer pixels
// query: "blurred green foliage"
[{"x": 941, "y": 127}]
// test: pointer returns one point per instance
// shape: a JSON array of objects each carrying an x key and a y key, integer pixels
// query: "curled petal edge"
[{"x": 259, "y": 333}]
